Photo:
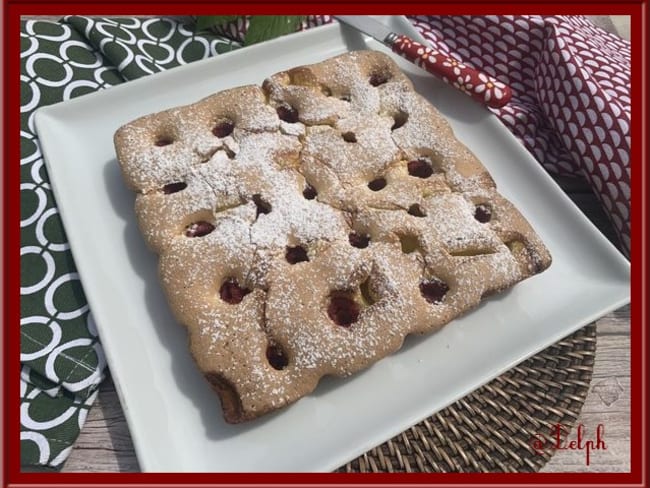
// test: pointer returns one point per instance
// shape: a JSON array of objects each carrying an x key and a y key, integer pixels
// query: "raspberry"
[
  {"x": 483, "y": 213},
  {"x": 287, "y": 113},
  {"x": 420, "y": 168},
  {"x": 231, "y": 292},
  {"x": 199, "y": 229},
  {"x": 296, "y": 254},
  {"x": 433, "y": 290},
  {"x": 276, "y": 357},
  {"x": 359, "y": 240},
  {"x": 377, "y": 184},
  {"x": 263, "y": 207},
  {"x": 174, "y": 187},
  {"x": 416, "y": 211},
  {"x": 223, "y": 128},
  {"x": 377, "y": 79},
  {"x": 342, "y": 310},
  {"x": 309, "y": 192}
]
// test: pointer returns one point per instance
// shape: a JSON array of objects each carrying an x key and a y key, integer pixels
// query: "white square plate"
[{"x": 173, "y": 416}]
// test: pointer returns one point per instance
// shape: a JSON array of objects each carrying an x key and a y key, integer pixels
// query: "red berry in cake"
[
  {"x": 434, "y": 290},
  {"x": 223, "y": 128},
  {"x": 276, "y": 357},
  {"x": 416, "y": 211},
  {"x": 377, "y": 79},
  {"x": 377, "y": 184},
  {"x": 342, "y": 310},
  {"x": 420, "y": 168},
  {"x": 174, "y": 187},
  {"x": 263, "y": 207},
  {"x": 309, "y": 192},
  {"x": 231, "y": 292},
  {"x": 483, "y": 213},
  {"x": 359, "y": 240},
  {"x": 297, "y": 254},
  {"x": 199, "y": 229},
  {"x": 287, "y": 113}
]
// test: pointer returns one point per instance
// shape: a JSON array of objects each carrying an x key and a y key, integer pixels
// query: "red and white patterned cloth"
[{"x": 571, "y": 92}]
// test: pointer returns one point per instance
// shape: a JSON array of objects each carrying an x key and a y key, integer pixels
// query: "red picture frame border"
[{"x": 11, "y": 473}]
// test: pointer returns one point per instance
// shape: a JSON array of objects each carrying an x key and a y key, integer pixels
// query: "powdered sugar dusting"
[{"x": 359, "y": 120}]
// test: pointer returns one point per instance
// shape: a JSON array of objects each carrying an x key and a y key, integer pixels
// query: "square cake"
[{"x": 305, "y": 227}]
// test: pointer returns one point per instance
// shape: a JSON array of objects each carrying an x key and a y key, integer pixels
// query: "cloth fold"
[
  {"x": 62, "y": 359},
  {"x": 571, "y": 93},
  {"x": 51, "y": 419},
  {"x": 571, "y": 109}
]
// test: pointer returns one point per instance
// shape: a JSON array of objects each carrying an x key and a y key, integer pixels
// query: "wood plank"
[
  {"x": 608, "y": 402},
  {"x": 104, "y": 444}
]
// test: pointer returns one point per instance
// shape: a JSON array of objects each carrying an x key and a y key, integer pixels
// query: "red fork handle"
[{"x": 477, "y": 85}]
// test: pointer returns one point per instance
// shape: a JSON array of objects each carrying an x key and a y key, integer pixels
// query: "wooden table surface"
[{"x": 105, "y": 443}]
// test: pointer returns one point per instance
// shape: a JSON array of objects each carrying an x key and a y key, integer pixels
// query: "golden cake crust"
[{"x": 305, "y": 227}]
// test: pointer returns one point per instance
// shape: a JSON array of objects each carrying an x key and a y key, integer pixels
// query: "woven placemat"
[{"x": 507, "y": 425}]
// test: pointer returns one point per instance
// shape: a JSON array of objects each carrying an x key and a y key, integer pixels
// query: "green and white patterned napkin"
[{"x": 61, "y": 356}]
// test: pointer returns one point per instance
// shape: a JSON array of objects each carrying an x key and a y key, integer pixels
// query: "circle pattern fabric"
[
  {"x": 56, "y": 65},
  {"x": 62, "y": 360}
]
